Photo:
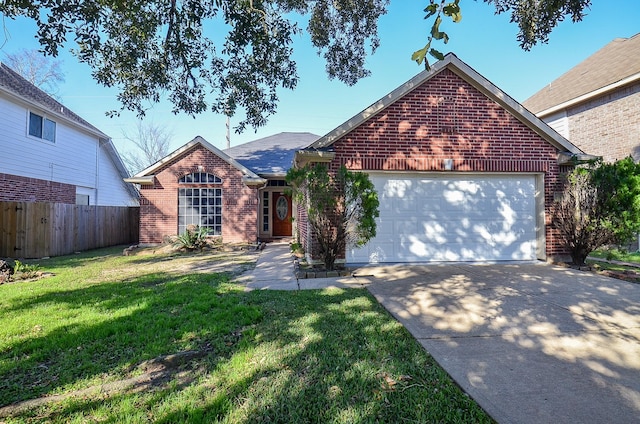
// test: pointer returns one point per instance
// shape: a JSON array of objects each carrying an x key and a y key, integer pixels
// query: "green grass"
[
  {"x": 310, "y": 356},
  {"x": 617, "y": 255}
]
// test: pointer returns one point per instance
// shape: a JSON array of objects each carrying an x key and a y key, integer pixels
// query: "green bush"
[
  {"x": 194, "y": 238},
  {"x": 22, "y": 271}
]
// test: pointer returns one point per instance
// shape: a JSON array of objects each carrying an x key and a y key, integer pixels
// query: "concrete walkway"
[
  {"x": 274, "y": 271},
  {"x": 531, "y": 343}
]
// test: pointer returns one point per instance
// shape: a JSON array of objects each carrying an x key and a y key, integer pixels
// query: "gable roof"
[
  {"x": 468, "y": 74},
  {"x": 271, "y": 156},
  {"x": 15, "y": 85},
  {"x": 614, "y": 65},
  {"x": 146, "y": 176},
  {"x": 18, "y": 88}
]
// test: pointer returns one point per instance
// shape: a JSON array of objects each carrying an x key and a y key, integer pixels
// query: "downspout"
[
  {"x": 258, "y": 215},
  {"x": 97, "y": 176},
  {"x": 97, "y": 180}
]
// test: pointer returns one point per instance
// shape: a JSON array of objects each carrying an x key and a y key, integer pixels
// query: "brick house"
[
  {"x": 463, "y": 171},
  {"x": 237, "y": 194},
  {"x": 596, "y": 104}
]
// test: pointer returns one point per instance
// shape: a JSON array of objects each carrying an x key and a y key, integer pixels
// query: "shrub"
[
  {"x": 194, "y": 237},
  {"x": 342, "y": 207},
  {"x": 600, "y": 206}
]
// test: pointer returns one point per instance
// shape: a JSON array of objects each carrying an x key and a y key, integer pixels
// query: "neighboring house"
[
  {"x": 463, "y": 173},
  {"x": 50, "y": 154},
  {"x": 596, "y": 104},
  {"x": 237, "y": 194}
]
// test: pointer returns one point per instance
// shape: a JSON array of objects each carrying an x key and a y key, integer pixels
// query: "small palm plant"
[{"x": 194, "y": 237}]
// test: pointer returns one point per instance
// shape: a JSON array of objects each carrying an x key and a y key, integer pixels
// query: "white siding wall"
[
  {"x": 111, "y": 189},
  {"x": 559, "y": 122},
  {"x": 72, "y": 159}
]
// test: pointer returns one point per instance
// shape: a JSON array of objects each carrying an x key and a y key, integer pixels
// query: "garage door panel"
[{"x": 452, "y": 218}]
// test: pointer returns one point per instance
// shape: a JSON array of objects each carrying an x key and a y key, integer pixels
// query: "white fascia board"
[
  {"x": 199, "y": 140},
  {"x": 512, "y": 106},
  {"x": 587, "y": 96},
  {"x": 29, "y": 104},
  {"x": 145, "y": 180},
  {"x": 468, "y": 74},
  {"x": 381, "y": 104}
]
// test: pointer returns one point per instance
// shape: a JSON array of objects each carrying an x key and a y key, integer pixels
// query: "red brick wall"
[
  {"x": 14, "y": 188},
  {"x": 159, "y": 203},
  {"x": 447, "y": 118},
  {"x": 608, "y": 126}
]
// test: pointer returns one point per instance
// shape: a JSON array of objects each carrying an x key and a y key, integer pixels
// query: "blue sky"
[{"x": 483, "y": 40}]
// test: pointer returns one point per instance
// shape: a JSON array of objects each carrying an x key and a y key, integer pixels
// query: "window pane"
[
  {"x": 200, "y": 206},
  {"x": 199, "y": 178},
  {"x": 49, "y": 131},
  {"x": 35, "y": 125}
]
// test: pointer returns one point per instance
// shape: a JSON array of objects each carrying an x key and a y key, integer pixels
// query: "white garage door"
[{"x": 452, "y": 218}]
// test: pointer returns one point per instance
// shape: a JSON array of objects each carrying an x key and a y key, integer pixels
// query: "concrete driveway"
[{"x": 532, "y": 343}]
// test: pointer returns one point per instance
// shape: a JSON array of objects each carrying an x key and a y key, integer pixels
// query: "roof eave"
[
  {"x": 468, "y": 74},
  {"x": 302, "y": 157},
  {"x": 59, "y": 116},
  {"x": 145, "y": 180},
  {"x": 383, "y": 103},
  {"x": 588, "y": 96},
  {"x": 254, "y": 182},
  {"x": 512, "y": 106},
  {"x": 573, "y": 159},
  {"x": 272, "y": 175},
  {"x": 198, "y": 140}
]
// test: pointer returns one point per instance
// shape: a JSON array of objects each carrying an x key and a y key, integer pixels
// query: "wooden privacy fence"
[{"x": 36, "y": 230}]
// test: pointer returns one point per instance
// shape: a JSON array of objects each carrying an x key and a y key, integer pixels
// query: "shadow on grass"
[
  {"x": 108, "y": 328},
  {"x": 311, "y": 356}
]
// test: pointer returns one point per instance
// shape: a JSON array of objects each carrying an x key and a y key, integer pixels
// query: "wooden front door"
[{"x": 281, "y": 214}]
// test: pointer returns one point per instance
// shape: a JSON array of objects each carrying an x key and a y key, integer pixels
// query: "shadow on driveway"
[{"x": 532, "y": 343}]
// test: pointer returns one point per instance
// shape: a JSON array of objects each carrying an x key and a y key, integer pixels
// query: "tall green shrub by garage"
[{"x": 341, "y": 208}]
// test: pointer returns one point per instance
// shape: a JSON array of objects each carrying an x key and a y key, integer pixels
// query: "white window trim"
[{"x": 44, "y": 117}]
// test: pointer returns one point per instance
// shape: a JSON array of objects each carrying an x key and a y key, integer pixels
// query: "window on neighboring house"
[
  {"x": 82, "y": 199},
  {"x": 42, "y": 127},
  {"x": 199, "y": 204}
]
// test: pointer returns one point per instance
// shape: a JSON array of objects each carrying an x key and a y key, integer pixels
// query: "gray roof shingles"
[
  {"x": 15, "y": 83},
  {"x": 271, "y": 156},
  {"x": 614, "y": 62}
]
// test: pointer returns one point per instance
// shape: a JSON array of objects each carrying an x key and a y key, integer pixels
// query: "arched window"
[
  {"x": 199, "y": 204},
  {"x": 200, "y": 178}
]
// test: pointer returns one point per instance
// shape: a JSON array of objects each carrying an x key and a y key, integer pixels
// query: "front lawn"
[
  {"x": 128, "y": 339},
  {"x": 617, "y": 255}
]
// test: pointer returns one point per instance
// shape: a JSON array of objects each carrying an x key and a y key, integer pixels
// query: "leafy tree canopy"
[
  {"x": 219, "y": 55},
  {"x": 535, "y": 20},
  {"x": 225, "y": 55}
]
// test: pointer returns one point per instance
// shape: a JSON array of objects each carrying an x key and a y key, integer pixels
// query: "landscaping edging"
[{"x": 302, "y": 274}]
